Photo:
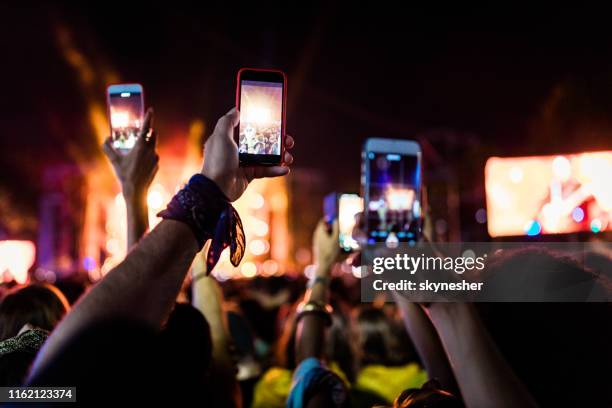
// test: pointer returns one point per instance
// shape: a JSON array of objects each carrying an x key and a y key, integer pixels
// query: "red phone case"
[{"x": 284, "y": 100}]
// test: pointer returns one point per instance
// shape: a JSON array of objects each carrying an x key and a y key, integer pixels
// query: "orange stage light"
[{"x": 16, "y": 258}]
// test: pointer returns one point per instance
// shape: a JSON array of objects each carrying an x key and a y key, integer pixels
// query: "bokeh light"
[
  {"x": 248, "y": 269},
  {"x": 16, "y": 258}
]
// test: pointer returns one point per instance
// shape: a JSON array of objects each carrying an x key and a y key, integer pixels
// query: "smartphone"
[
  {"x": 126, "y": 113},
  {"x": 330, "y": 208},
  {"x": 391, "y": 182},
  {"x": 261, "y": 99},
  {"x": 343, "y": 207},
  {"x": 349, "y": 205}
]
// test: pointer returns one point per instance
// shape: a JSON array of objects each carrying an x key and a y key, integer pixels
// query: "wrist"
[
  {"x": 132, "y": 194},
  {"x": 323, "y": 269},
  {"x": 445, "y": 315},
  {"x": 217, "y": 179},
  {"x": 203, "y": 206},
  {"x": 318, "y": 280}
]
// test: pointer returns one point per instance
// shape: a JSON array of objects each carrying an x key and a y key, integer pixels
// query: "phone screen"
[
  {"x": 261, "y": 120},
  {"x": 349, "y": 205},
  {"x": 126, "y": 109},
  {"x": 393, "y": 194}
]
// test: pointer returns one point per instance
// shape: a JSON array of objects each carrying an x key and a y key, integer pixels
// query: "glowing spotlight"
[
  {"x": 596, "y": 225},
  {"x": 155, "y": 200},
  {"x": 89, "y": 263},
  {"x": 516, "y": 174},
  {"x": 416, "y": 209},
  {"x": 270, "y": 267},
  {"x": 223, "y": 274},
  {"x": 561, "y": 168},
  {"x": 220, "y": 274},
  {"x": 578, "y": 214},
  {"x": 16, "y": 258},
  {"x": 259, "y": 247},
  {"x": 248, "y": 269},
  {"x": 50, "y": 277},
  {"x": 309, "y": 271},
  {"x": 533, "y": 228},
  {"x": 40, "y": 273},
  {"x": 261, "y": 228},
  {"x": 257, "y": 201}
]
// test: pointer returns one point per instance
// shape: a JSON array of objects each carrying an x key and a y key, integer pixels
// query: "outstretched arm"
[
  {"x": 144, "y": 286},
  {"x": 427, "y": 343},
  {"x": 135, "y": 171},
  {"x": 310, "y": 336},
  {"x": 208, "y": 299},
  {"x": 483, "y": 375}
]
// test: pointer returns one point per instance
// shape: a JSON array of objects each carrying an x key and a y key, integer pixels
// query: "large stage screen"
[{"x": 549, "y": 194}]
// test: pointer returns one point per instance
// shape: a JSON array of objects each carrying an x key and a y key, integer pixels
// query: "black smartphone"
[
  {"x": 391, "y": 181},
  {"x": 261, "y": 99}
]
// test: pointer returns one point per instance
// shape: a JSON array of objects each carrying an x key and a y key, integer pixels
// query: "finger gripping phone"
[
  {"x": 126, "y": 112},
  {"x": 261, "y": 99},
  {"x": 391, "y": 181}
]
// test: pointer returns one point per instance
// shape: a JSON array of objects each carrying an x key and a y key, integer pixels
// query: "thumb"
[{"x": 228, "y": 122}]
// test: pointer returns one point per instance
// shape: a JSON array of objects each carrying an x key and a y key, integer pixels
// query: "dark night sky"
[{"x": 521, "y": 84}]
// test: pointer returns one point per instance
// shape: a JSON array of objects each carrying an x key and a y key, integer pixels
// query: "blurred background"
[{"x": 468, "y": 84}]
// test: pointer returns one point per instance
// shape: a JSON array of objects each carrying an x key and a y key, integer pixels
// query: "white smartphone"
[
  {"x": 126, "y": 112},
  {"x": 391, "y": 182}
]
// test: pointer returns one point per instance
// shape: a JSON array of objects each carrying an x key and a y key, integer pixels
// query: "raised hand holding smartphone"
[
  {"x": 126, "y": 113},
  {"x": 221, "y": 163},
  {"x": 391, "y": 177},
  {"x": 261, "y": 100}
]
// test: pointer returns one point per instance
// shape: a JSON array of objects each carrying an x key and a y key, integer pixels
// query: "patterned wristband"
[{"x": 209, "y": 214}]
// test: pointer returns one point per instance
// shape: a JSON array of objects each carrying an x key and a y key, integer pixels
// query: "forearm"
[
  {"x": 142, "y": 288},
  {"x": 483, "y": 375},
  {"x": 137, "y": 217},
  {"x": 427, "y": 343},
  {"x": 208, "y": 299},
  {"x": 310, "y": 336}
]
